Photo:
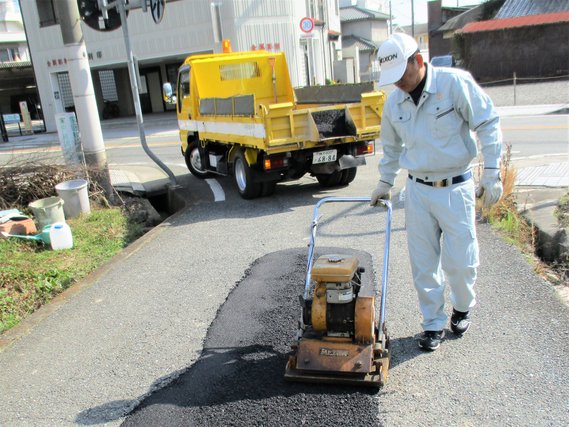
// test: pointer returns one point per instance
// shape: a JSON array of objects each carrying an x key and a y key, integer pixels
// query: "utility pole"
[
  {"x": 390, "y": 20},
  {"x": 84, "y": 94},
  {"x": 412, "y": 19}
]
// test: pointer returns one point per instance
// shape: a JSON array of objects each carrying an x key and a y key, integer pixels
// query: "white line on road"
[{"x": 218, "y": 193}]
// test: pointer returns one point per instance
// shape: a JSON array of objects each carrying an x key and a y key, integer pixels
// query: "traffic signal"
[{"x": 94, "y": 17}]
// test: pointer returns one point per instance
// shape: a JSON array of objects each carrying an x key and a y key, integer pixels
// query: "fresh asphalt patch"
[{"x": 239, "y": 377}]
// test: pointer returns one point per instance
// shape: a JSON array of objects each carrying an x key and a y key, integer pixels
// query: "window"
[
  {"x": 108, "y": 86},
  {"x": 65, "y": 90},
  {"x": 247, "y": 70},
  {"x": 9, "y": 54},
  {"x": 183, "y": 85},
  {"x": 316, "y": 9},
  {"x": 46, "y": 13}
]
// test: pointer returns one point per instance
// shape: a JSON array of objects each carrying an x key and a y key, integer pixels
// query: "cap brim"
[{"x": 392, "y": 74}]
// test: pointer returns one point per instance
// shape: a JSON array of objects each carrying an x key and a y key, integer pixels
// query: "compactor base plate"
[{"x": 317, "y": 354}]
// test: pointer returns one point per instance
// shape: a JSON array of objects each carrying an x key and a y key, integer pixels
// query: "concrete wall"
[
  {"x": 536, "y": 51},
  {"x": 439, "y": 46}
]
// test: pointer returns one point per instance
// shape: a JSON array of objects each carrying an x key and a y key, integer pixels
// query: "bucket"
[
  {"x": 74, "y": 194},
  {"x": 48, "y": 210}
]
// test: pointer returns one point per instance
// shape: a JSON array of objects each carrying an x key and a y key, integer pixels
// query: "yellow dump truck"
[{"x": 239, "y": 114}]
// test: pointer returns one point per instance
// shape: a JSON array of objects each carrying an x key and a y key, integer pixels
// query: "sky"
[{"x": 401, "y": 9}]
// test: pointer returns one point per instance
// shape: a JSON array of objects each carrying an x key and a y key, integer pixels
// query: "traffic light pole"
[{"x": 132, "y": 72}]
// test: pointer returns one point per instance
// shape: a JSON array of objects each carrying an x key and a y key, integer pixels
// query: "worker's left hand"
[{"x": 490, "y": 189}]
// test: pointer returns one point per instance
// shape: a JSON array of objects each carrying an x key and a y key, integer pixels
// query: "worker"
[{"x": 427, "y": 128}]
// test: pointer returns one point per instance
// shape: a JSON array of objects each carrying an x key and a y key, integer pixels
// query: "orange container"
[{"x": 19, "y": 226}]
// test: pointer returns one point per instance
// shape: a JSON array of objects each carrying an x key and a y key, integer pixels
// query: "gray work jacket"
[{"x": 435, "y": 139}]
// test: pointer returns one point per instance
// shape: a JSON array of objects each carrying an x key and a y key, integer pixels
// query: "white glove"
[
  {"x": 490, "y": 188},
  {"x": 382, "y": 191}
]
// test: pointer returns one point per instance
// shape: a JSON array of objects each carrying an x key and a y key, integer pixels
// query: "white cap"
[{"x": 393, "y": 55}]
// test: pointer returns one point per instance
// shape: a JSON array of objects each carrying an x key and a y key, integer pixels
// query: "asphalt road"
[
  {"x": 238, "y": 379},
  {"x": 508, "y": 370},
  {"x": 530, "y": 136},
  {"x": 142, "y": 322}
]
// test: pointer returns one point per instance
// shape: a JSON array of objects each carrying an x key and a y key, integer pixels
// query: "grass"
[
  {"x": 505, "y": 217},
  {"x": 32, "y": 274},
  {"x": 562, "y": 211}
]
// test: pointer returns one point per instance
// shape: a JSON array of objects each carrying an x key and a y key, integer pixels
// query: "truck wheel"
[
  {"x": 194, "y": 161},
  {"x": 348, "y": 175},
  {"x": 248, "y": 189},
  {"x": 329, "y": 180}
]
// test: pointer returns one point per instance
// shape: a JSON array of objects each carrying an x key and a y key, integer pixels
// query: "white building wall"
[
  {"x": 379, "y": 31},
  {"x": 186, "y": 28},
  {"x": 359, "y": 28}
]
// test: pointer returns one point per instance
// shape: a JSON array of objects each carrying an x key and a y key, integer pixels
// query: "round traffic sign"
[
  {"x": 157, "y": 10},
  {"x": 307, "y": 24}
]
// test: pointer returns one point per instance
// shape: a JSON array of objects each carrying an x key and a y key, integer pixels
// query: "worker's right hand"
[
  {"x": 490, "y": 189},
  {"x": 382, "y": 191}
]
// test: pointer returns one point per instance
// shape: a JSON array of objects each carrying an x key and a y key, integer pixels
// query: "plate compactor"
[{"x": 339, "y": 340}]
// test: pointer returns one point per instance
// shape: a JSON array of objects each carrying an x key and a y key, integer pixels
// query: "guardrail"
[{"x": 514, "y": 80}]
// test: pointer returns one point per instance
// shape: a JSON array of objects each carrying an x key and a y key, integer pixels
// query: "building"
[
  {"x": 188, "y": 27},
  {"x": 442, "y": 23},
  {"x": 420, "y": 33},
  {"x": 526, "y": 40},
  {"x": 17, "y": 82},
  {"x": 362, "y": 32}
]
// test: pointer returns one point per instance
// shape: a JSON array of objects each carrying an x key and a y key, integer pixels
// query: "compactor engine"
[{"x": 337, "y": 284}]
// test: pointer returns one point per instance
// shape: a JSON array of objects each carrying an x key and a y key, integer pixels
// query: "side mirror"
[{"x": 168, "y": 94}]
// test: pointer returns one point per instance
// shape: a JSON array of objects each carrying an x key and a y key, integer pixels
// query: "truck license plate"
[{"x": 324, "y": 156}]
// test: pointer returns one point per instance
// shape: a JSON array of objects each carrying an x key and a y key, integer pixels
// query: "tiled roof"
[
  {"x": 520, "y": 21},
  {"x": 363, "y": 45},
  {"x": 517, "y": 8},
  {"x": 354, "y": 13}
]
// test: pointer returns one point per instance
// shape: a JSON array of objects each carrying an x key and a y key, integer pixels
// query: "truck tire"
[
  {"x": 329, "y": 180},
  {"x": 348, "y": 175},
  {"x": 246, "y": 186},
  {"x": 194, "y": 161}
]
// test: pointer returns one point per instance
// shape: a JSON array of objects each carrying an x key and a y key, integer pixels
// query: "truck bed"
[{"x": 276, "y": 127}]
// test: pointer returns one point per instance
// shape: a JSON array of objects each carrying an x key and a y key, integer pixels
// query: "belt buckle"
[{"x": 440, "y": 184}]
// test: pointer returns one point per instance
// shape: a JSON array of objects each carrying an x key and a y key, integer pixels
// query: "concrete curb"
[
  {"x": 552, "y": 241},
  {"x": 524, "y": 110}
]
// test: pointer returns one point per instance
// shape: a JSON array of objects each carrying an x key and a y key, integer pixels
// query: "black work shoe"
[
  {"x": 459, "y": 322},
  {"x": 431, "y": 340}
]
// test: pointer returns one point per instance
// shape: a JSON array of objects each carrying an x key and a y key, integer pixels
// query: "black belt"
[{"x": 445, "y": 182}]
